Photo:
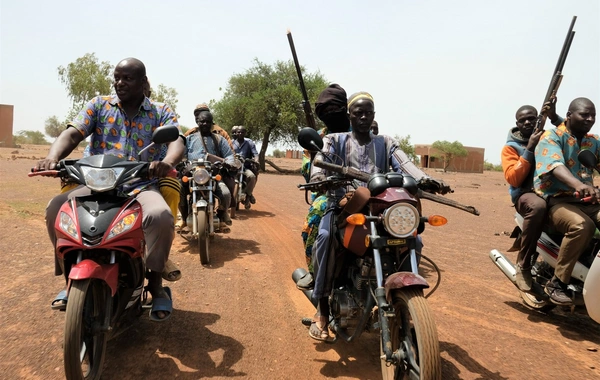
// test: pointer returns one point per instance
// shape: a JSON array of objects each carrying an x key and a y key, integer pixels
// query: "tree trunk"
[{"x": 263, "y": 149}]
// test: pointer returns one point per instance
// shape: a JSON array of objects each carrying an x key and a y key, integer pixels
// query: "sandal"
[
  {"x": 60, "y": 302},
  {"x": 224, "y": 228},
  {"x": 162, "y": 304},
  {"x": 171, "y": 272},
  {"x": 181, "y": 224},
  {"x": 318, "y": 333}
]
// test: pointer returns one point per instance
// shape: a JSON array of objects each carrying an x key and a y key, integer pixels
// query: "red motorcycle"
[
  {"x": 101, "y": 245},
  {"x": 375, "y": 261}
]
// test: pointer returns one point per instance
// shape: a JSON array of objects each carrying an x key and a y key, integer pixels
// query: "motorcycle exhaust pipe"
[
  {"x": 504, "y": 265},
  {"x": 297, "y": 275}
]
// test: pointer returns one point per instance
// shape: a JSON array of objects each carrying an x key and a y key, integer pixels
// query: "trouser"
[
  {"x": 577, "y": 221},
  {"x": 250, "y": 181},
  {"x": 533, "y": 209},
  {"x": 157, "y": 224},
  {"x": 221, "y": 191},
  {"x": 323, "y": 259}
]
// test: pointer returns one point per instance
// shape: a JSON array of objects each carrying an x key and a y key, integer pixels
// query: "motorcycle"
[
  {"x": 203, "y": 176},
  {"x": 239, "y": 191},
  {"x": 585, "y": 278},
  {"x": 377, "y": 286},
  {"x": 101, "y": 244}
]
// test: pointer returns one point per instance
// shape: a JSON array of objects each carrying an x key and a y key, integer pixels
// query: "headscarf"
[
  {"x": 334, "y": 95},
  {"x": 359, "y": 95}
]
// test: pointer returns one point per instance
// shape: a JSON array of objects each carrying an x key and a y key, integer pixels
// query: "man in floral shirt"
[{"x": 122, "y": 125}]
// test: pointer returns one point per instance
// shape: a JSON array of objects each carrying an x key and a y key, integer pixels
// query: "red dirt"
[{"x": 240, "y": 316}]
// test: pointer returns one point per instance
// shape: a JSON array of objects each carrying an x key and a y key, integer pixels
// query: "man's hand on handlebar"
[
  {"x": 46, "y": 164},
  {"x": 587, "y": 193},
  {"x": 159, "y": 169},
  {"x": 434, "y": 186}
]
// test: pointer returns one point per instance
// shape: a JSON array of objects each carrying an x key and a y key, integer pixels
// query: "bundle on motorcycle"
[
  {"x": 202, "y": 177},
  {"x": 100, "y": 245},
  {"x": 376, "y": 281}
]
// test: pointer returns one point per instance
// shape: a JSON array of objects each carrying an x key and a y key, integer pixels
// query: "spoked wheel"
[
  {"x": 203, "y": 237},
  {"x": 414, "y": 339},
  {"x": 85, "y": 344},
  {"x": 234, "y": 198}
]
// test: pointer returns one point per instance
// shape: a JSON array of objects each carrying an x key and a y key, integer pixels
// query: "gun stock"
[
  {"x": 557, "y": 76},
  {"x": 310, "y": 119}
]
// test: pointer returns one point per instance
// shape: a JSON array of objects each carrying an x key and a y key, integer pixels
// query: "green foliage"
[
  {"x": 86, "y": 78},
  {"x": 488, "y": 166},
  {"x": 266, "y": 99},
  {"x": 449, "y": 150},
  {"x": 30, "y": 137},
  {"x": 278, "y": 153},
  {"x": 407, "y": 147},
  {"x": 167, "y": 95},
  {"x": 53, "y": 127},
  {"x": 184, "y": 129}
]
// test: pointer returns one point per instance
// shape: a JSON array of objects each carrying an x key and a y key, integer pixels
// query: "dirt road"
[{"x": 240, "y": 315}]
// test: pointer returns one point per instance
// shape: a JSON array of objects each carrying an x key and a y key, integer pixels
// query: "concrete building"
[
  {"x": 6, "y": 125},
  {"x": 431, "y": 158}
]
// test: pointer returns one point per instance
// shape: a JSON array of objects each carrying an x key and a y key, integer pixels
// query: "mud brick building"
[
  {"x": 6, "y": 125},
  {"x": 431, "y": 158}
]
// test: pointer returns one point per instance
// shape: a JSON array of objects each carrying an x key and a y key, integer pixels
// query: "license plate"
[{"x": 396, "y": 241}]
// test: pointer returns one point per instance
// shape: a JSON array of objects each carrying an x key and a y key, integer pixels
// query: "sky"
[{"x": 437, "y": 69}]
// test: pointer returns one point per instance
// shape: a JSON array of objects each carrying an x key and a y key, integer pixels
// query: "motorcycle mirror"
[
  {"x": 165, "y": 134},
  {"x": 310, "y": 140},
  {"x": 588, "y": 159}
]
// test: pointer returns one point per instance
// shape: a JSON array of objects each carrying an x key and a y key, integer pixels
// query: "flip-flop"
[
  {"x": 171, "y": 272},
  {"x": 60, "y": 302},
  {"x": 162, "y": 304},
  {"x": 224, "y": 228},
  {"x": 320, "y": 334}
]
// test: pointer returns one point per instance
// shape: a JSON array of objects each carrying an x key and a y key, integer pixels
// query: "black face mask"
[{"x": 336, "y": 122}]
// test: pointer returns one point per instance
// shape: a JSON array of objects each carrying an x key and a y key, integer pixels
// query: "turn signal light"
[
  {"x": 218, "y": 177},
  {"x": 185, "y": 179},
  {"x": 437, "y": 220},
  {"x": 357, "y": 219}
]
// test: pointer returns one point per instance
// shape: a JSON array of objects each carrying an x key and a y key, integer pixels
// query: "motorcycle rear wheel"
[
  {"x": 234, "y": 205},
  {"x": 84, "y": 344},
  {"x": 413, "y": 331},
  {"x": 203, "y": 237}
]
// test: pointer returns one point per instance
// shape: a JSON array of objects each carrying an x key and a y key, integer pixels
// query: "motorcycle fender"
[
  {"x": 591, "y": 290},
  {"x": 401, "y": 280},
  {"x": 91, "y": 269},
  {"x": 201, "y": 203}
]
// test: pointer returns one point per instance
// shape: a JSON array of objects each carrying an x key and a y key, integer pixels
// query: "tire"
[
  {"x": 84, "y": 314},
  {"x": 203, "y": 238},
  {"x": 413, "y": 316},
  {"x": 535, "y": 303},
  {"x": 235, "y": 200}
]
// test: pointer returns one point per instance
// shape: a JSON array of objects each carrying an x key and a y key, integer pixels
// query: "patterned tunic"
[
  {"x": 113, "y": 133},
  {"x": 559, "y": 147}
]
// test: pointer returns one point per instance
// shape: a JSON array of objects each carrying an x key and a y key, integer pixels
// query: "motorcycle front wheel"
[
  {"x": 85, "y": 344},
  {"x": 203, "y": 237},
  {"x": 413, "y": 332},
  {"x": 235, "y": 200}
]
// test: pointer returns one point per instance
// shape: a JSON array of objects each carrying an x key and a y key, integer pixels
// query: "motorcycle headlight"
[
  {"x": 101, "y": 179},
  {"x": 123, "y": 225},
  {"x": 201, "y": 176},
  {"x": 237, "y": 164},
  {"x": 401, "y": 220},
  {"x": 68, "y": 225}
]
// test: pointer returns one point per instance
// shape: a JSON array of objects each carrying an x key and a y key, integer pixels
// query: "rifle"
[
  {"x": 310, "y": 119},
  {"x": 557, "y": 77}
]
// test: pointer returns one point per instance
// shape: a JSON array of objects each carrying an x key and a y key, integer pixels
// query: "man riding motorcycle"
[
  {"x": 371, "y": 154},
  {"x": 247, "y": 149},
  {"x": 122, "y": 125}
]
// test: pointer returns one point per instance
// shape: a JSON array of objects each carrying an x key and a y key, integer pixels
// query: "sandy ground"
[{"x": 240, "y": 315}]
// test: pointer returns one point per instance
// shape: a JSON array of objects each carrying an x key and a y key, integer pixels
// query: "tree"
[
  {"x": 30, "y": 137},
  {"x": 407, "y": 147},
  {"x": 167, "y": 95},
  {"x": 267, "y": 101},
  {"x": 449, "y": 151},
  {"x": 53, "y": 127},
  {"x": 86, "y": 78}
]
